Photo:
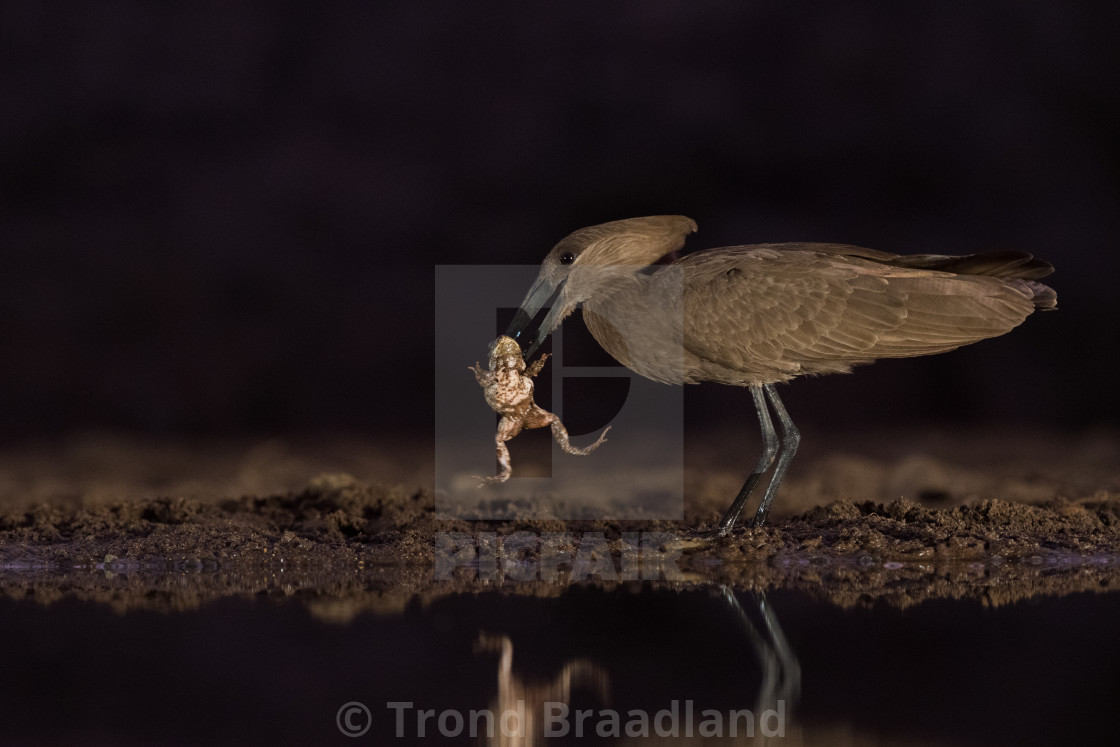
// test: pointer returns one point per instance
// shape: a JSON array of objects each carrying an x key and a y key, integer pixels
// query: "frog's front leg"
[
  {"x": 483, "y": 376},
  {"x": 537, "y": 365}
]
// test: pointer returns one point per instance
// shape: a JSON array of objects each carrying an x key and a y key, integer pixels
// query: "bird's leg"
[
  {"x": 770, "y": 447},
  {"x": 791, "y": 437}
]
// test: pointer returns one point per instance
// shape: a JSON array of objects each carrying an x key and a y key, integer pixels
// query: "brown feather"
[{"x": 769, "y": 312}]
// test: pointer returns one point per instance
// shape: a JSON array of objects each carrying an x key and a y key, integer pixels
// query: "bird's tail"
[
  {"x": 1044, "y": 297},
  {"x": 1020, "y": 271},
  {"x": 994, "y": 264}
]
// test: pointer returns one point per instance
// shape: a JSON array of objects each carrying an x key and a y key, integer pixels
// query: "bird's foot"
[
  {"x": 759, "y": 519},
  {"x": 722, "y": 531},
  {"x": 718, "y": 532}
]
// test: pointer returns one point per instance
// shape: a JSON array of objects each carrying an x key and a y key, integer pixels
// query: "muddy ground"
[{"x": 996, "y": 516}]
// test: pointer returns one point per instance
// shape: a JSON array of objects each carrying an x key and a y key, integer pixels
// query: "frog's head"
[{"x": 504, "y": 348}]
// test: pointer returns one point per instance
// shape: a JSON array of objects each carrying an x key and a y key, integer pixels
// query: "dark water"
[{"x": 276, "y": 669}]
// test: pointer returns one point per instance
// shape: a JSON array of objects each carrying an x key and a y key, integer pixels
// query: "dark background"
[{"x": 225, "y": 217}]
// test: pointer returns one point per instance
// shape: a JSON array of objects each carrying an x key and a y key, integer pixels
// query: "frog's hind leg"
[
  {"x": 505, "y": 471},
  {"x": 507, "y": 429},
  {"x": 560, "y": 433}
]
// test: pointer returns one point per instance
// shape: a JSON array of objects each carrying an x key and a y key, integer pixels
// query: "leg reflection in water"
[{"x": 781, "y": 672}]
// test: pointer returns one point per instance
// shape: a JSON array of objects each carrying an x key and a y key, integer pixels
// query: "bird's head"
[{"x": 586, "y": 262}]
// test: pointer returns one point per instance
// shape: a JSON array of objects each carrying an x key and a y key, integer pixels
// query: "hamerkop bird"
[{"x": 758, "y": 315}]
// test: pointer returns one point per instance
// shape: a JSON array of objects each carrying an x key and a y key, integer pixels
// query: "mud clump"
[{"x": 906, "y": 531}]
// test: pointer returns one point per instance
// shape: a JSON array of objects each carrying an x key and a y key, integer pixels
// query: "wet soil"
[{"x": 997, "y": 517}]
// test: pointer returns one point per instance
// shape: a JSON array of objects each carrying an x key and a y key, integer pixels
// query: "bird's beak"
[{"x": 530, "y": 325}]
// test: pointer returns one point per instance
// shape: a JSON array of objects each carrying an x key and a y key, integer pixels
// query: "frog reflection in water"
[{"x": 508, "y": 387}]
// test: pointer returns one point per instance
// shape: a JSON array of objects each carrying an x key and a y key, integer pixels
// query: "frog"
[{"x": 508, "y": 386}]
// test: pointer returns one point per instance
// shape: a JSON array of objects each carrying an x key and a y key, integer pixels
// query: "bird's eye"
[{"x": 567, "y": 258}]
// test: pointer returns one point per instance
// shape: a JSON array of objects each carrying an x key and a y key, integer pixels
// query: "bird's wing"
[{"x": 804, "y": 307}]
